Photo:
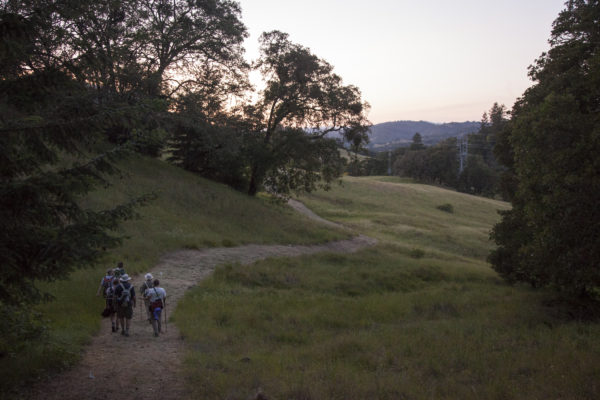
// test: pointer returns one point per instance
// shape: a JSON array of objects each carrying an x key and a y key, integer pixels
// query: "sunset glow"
[{"x": 438, "y": 61}]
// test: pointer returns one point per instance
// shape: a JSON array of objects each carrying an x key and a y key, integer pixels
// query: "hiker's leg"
[
  {"x": 113, "y": 317},
  {"x": 148, "y": 312},
  {"x": 128, "y": 316}
]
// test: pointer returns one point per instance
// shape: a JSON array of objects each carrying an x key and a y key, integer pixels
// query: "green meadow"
[
  {"x": 188, "y": 212},
  {"x": 419, "y": 316}
]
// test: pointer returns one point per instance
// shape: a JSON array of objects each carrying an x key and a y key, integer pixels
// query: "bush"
[
  {"x": 20, "y": 326},
  {"x": 446, "y": 207}
]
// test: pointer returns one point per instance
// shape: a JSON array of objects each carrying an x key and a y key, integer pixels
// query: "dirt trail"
[{"x": 143, "y": 366}]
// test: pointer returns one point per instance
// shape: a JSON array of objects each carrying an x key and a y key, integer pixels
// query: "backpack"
[
  {"x": 156, "y": 303},
  {"x": 106, "y": 283},
  {"x": 125, "y": 296},
  {"x": 118, "y": 272},
  {"x": 145, "y": 286}
]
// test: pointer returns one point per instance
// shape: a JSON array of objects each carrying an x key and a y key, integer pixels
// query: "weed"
[
  {"x": 417, "y": 253},
  {"x": 227, "y": 243}
]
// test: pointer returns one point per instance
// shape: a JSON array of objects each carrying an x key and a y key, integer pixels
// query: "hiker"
[
  {"x": 125, "y": 294},
  {"x": 106, "y": 282},
  {"x": 148, "y": 284},
  {"x": 119, "y": 270},
  {"x": 157, "y": 297},
  {"x": 111, "y": 304}
]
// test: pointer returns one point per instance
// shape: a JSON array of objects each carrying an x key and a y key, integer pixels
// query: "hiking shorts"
[
  {"x": 111, "y": 307},
  {"x": 125, "y": 312},
  {"x": 156, "y": 313}
]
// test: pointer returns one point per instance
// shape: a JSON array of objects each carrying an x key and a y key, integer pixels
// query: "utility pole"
[
  {"x": 389, "y": 163},
  {"x": 463, "y": 153}
]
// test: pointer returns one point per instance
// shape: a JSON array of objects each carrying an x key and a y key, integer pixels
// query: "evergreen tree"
[
  {"x": 417, "y": 142},
  {"x": 51, "y": 125}
]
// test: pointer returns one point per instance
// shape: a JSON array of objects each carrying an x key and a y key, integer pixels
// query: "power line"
[{"x": 463, "y": 153}]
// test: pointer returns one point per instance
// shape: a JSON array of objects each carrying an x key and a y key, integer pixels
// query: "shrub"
[
  {"x": 446, "y": 207},
  {"x": 417, "y": 253}
]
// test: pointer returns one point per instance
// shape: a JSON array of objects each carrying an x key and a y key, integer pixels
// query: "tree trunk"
[{"x": 254, "y": 181}]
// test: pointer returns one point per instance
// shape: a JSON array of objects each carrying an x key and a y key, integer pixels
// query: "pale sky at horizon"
[{"x": 437, "y": 61}]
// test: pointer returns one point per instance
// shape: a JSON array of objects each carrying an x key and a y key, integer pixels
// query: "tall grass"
[
  {"x": 408, "y": 214},
  {"x": 387, "y": 322},
  {"x": 189, "y": 212}
]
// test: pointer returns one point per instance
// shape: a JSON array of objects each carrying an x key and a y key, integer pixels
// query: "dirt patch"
[{"x": 143, "y": 366}]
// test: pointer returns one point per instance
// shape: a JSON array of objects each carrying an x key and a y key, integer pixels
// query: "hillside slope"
[
  {"x": 189, "y": 213},
  {"x": 419, "y": 316}
]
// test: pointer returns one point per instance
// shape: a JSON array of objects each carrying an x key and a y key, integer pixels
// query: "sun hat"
[
  {"x": 148, "y": 276},
  {"x": 125, "y": 278}
]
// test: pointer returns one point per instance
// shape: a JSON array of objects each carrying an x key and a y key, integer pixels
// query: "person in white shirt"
[{"x": 157, "y": 298}]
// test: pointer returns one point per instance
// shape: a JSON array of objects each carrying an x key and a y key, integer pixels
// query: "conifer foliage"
[
  {"x": 49, "y": 126},
  {"x": 551, "y": 237}
]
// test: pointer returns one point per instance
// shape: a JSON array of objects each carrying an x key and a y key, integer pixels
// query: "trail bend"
[{"x": 143, "y": 366}]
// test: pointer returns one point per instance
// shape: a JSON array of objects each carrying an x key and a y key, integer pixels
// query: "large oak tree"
[{"x": 302, "y": 103}]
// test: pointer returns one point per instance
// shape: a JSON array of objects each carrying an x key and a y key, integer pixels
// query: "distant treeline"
[
  {"x": 440, "y": 164},
  {"x": 391, "y": 135}
]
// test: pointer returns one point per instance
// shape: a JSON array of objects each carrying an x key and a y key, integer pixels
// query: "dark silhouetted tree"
[
  {"x": 417, "y": 142},
  {"x": 303, "y": 102},
  {"x": 551, "y": 236},
  {"x": 51, "y": 125}
]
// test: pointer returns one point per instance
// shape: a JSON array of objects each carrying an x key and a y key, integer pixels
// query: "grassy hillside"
[
  {"x": 420, "y": 316},
  {"x": 189, "y": 212}
]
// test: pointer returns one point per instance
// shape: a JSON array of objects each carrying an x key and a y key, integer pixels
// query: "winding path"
[{"x": 142, "y": 366}]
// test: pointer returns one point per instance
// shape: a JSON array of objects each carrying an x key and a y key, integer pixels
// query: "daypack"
[
  {"x": 110, "y": 294},
  {"x": 106, "y": 283},
  {"x": 145, "y": 286},
  {"x": 156, "y": 303},
  {"x": 125, "y": 296},
  {"x": 118, "y": 272}
]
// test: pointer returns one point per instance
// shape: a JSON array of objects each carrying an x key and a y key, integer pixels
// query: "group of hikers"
[{"x": 120, "y": 298}]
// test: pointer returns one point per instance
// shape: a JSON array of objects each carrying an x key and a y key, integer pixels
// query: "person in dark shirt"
[
  {"x": 119, "y": 270},
  {"x": 125, "y": 294},
  {"x": 111, "y": 303}
]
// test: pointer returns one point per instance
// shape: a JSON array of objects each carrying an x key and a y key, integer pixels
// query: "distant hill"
[{"x": 390, "y": 135}]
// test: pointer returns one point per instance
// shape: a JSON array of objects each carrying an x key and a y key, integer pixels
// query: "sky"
[{"x": 436, "y": 60}]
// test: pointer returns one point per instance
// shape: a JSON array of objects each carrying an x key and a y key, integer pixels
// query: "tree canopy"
[
  {"x": 551, "y": 237},
  {"x": 51, "y": 127},
  {"x": 78, "y": 77},
  {"x": 303, "y": 102}
]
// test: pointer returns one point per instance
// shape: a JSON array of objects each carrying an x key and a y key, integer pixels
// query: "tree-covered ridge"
[
  {"x": 390, "y": 135},
  {"x": 466, "y": 163}
]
